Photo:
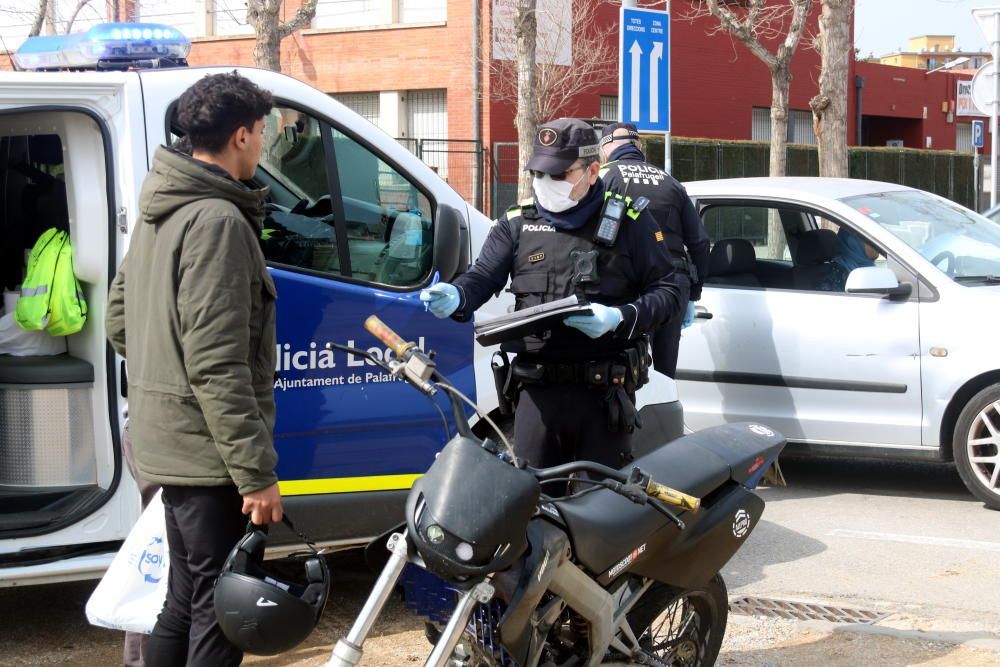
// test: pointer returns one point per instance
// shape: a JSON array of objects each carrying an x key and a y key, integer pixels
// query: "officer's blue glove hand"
[
  {"x": 602, "y": 320},
  {"x": 688, "y": 316},
  {"x": 442, "y": 299}
]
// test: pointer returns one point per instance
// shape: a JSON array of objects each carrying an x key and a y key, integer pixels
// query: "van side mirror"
[
  {"x": 451, "y": 242},
  {"x": 877, "y": 280}
]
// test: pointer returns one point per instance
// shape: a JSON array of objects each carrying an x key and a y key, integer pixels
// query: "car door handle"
[{"x": 701, "y": 312}]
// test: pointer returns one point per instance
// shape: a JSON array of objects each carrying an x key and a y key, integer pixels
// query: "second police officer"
[
  {"x": 627, "y": 173},
  {"x": 577, "y": 381}
]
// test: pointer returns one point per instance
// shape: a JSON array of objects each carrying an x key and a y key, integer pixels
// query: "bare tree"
[
  {"x": 80, "y": 4},
  {"x": 262, "y": 15},
  {"x": 572, "y": 54},
  {"x": 829, "y": 107},
  {"x": 756, "y": 24},
  {"x": 526, "y": 118},
  {"x": 36, "y": 23}
]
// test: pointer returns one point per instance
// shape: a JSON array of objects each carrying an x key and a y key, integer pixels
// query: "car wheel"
[{"x": 977, "y": 446}]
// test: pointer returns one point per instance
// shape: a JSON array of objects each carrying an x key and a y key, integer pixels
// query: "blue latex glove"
[
  {"x": 442, "y": 299},
  {"x": 602, "y": 320},
  {"x": 688, "y": 316}
]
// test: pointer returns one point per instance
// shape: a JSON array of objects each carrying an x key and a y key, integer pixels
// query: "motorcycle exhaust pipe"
[{"x": 348, "y": 651}]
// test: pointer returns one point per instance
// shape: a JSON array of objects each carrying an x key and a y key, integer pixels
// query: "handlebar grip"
[
  {"x": 673, "y": 496},
  {"x": 380, "y": 330}
]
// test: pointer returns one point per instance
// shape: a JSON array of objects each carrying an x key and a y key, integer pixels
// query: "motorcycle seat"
[{"x": 604, "y": 527}]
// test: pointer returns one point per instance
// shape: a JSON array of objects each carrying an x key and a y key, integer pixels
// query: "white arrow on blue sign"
[
  {"x": 978, "y": 133},
  {"x": 644, "y": 69}
]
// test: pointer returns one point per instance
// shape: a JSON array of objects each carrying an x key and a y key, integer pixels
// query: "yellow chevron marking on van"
[{"x": 306, "y": 487}]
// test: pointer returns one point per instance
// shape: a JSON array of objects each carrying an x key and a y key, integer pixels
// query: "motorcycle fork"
[{"x": 348, "y": 651}]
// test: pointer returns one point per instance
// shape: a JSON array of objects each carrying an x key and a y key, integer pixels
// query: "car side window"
[{"x": 749, "y": 245}]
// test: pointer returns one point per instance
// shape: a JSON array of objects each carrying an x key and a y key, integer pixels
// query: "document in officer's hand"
[{"x": 529, "y": 320}]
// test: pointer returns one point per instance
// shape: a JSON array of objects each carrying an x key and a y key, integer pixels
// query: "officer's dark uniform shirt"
[
  {"x": 628, "y": 173},
  {"x": 534, "y": 248}
]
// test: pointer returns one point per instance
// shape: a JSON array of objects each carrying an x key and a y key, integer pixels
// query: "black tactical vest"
[
  {"x": 547, "y": 267},
  {"x": 643, "y": 179}
]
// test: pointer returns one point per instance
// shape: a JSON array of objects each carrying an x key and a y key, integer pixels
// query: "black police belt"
[
  {"x": 628, "y": 369},
  {"x": 687, "y": 266}
]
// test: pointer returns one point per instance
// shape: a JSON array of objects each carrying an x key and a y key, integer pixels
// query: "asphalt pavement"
[{"x": 903, "y": 539}]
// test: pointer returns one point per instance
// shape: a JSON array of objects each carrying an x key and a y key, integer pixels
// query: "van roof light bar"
[{"x": 106, "y": 46}]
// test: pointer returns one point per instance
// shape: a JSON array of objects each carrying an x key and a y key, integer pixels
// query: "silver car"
[{"x": 855, "y": 317}]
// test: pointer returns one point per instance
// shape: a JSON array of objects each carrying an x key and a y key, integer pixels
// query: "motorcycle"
[{"x": 607, "y": 575}]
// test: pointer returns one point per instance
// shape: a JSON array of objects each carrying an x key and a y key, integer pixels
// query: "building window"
[
  {"x": 229, "y": 17},
  {"x": 963, "y": 138},
  {"x": 363, "y": 13},
  {"x": 609, "y": 107},
  {"x": 800, "y": 126},
  {"x": 365, "y": 105},
  {"x": 179, "y": 14},
  {"x": 427, "y": 121}
]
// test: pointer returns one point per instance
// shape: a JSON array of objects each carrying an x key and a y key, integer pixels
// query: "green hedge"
[{"x": 946, "y": 173}]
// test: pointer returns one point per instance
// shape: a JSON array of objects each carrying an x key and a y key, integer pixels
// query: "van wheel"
[{"x": 977, "y": 446}]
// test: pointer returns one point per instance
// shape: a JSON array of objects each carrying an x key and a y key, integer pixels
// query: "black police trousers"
[
  {"x": 666, "y": 340},
  {"x": 559, "y": 423},
  {"x": 204, "y": 523}
]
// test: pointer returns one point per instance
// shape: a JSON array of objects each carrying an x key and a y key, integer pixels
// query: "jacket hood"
[{"x": 176, "y": 179}]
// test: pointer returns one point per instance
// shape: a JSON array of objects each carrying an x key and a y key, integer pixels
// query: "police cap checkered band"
[
  {"x": 619, "y": 132},
  {"x": 561, "y": 142}
]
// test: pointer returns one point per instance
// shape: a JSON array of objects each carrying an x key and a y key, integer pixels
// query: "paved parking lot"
[{"x": 904, "y": 540}]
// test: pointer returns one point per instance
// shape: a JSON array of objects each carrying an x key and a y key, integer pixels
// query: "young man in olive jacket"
[{"x": 194, "y": 302}]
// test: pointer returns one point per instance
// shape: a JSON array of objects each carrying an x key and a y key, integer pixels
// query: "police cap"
[
  {"x": 561, "y": 142},
  {"x": 619, "y": 132}
]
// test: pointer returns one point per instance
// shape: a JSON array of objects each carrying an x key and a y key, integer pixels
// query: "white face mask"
[{"x": 555, "y": 195}]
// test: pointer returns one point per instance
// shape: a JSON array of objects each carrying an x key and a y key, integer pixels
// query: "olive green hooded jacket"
[{"x": 195, "y": 303}]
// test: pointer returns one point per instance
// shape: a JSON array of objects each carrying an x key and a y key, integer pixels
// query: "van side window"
[
  {"x": 390, "y": 231},
  {"x": 387, "y": 221}
]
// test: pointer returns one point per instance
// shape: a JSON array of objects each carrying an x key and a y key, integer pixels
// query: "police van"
[{"x": 356, "y": 225}]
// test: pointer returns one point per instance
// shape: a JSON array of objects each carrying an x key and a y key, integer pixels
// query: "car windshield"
[{"x": 963, "y": 244}]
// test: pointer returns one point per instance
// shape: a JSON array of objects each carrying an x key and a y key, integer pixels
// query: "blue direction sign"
[
  {"x": 644, "y": 69},
  {"x": 978, "y": 133}
]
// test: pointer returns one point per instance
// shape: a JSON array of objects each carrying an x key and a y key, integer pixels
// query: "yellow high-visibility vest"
[{"x": 51, "y": 297}]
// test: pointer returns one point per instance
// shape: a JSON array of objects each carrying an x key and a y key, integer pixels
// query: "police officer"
[
  {"x": 626, "y": 172},
  {"x": 577, "y": 380}
]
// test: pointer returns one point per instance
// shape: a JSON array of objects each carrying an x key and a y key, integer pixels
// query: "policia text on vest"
[
  {"x": 575, "y": 383},
  {"x": 51, "y": 298}
]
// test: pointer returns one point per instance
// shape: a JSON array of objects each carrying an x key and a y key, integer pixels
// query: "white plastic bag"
[
  {"x": 23, "y": 343},
  {"x": 131, "y": 594}
]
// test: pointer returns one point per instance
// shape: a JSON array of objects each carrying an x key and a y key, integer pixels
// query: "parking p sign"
[{"x": 978, "y": 133}]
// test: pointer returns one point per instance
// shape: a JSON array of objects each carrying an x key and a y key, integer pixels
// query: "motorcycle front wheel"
[{"x": 682, "y": 627}]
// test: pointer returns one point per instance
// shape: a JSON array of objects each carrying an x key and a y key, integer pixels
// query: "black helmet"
[{"x": 260, "y": 613}]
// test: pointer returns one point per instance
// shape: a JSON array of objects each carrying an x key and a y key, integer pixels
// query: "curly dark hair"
[{"x": 218, "y": 105}]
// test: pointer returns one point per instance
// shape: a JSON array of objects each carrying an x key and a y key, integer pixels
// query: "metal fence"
[
  {"x": 946, "y": 173},
  {"x": 458, "y": 161},
  {"x": 506, "y": 169}
]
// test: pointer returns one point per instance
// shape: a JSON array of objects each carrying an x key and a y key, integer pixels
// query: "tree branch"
[{"x": 303, "y": 17}]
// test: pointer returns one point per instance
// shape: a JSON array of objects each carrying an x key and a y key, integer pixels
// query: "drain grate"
[{"x": 803, "y": 611}]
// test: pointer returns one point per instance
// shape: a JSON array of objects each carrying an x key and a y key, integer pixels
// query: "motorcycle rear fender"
[
  {"x": 710, "y": 539},
  {"x": 549, "y": 546}
]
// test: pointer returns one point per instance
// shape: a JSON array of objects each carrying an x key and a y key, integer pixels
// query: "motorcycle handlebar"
[
  {"x": 392, "y": 340},
  {"x": 646, "y": 484}
]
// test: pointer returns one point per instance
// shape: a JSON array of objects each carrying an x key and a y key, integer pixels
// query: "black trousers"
[
  {"x": 666, "y": 340},
  {"x": 203, "y": 525},
  {"x": 559, "y": 423}
]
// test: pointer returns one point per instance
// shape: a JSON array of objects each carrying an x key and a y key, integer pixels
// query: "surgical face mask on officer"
[{"x": 556, "y": 196}]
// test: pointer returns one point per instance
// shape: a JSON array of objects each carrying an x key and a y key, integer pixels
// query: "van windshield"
[{"x": 961, "y": 243}]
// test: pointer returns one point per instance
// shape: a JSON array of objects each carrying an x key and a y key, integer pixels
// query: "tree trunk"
[
  {"x": 781, "y": 80},
  {"x": 526, "y": 119},
  {"x": 36, "y": 25},
  {"x": 263, "y": 16},
  {"x": 829, "y": 107},
  {"x": 51, "y": 16}
]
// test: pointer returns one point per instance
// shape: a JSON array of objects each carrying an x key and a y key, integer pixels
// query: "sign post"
[
  {"x": 989, "y": 22},
  {"x": 644, "y": 72},
  {"x": 978, "y": 141}
]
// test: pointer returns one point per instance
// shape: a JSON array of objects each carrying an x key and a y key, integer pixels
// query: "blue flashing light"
[{"x": 108, "y": 44}]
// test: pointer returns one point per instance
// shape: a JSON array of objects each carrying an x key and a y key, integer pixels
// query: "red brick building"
[{"x": 409, "y": 66}]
